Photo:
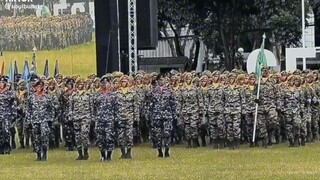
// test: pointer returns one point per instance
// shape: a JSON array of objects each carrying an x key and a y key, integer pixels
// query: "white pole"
[
  {"x": 256, "y": 113},
  {"x": 118, "y": 26},
  {"x": 303, "y": 33}
]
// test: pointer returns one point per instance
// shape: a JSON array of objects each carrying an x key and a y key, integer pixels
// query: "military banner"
[{"x": 52, "y": 29}]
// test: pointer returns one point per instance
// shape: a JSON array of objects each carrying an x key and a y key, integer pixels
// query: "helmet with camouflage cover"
[
  {"x": 80, "y": 81},
  {"x": 59, "y": 76},
  {"x": 51, "y": 82},
  {"x": 207, "y": 73},
  {"x": 117, "y": 74},
  {"x": 96, "y": 80},
  {"x": 297, "y": 72},
  {"x": 124, "y": 78},
  {"x": 22, "y": 82}
]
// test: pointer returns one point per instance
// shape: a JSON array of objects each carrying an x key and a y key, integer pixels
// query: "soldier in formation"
[
  {"x": 23, "y": 33},
  {"x": 117, "y": 110}
]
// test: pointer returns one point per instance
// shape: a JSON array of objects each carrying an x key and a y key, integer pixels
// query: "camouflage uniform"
[
  {"x": 54, "y": 114},
  {"x": 190, "y": 112},
  {"x": 21, "y": 97},
  {"x": 104, "y": 104},
  {"x": 80, "y": 112},
  {"x": 8, "y": 114},
  {"x": 126, "y": 112},
  {"x": 267, "y": 114},
  {"x": 38, "y": 116},
  {"x": 162, "y": 109},
  {"x": 232, "y": 112},
  {"x": 292, "y": 100},
  {"x": 216, "y": 102}
]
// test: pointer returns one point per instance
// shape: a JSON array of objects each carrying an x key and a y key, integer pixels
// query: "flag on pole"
[
  {"x": 11, "y": 74},
  {"x": 2, "y": 69},
  {"x": 261, "y": 63},
  {"x": 56, "y": 69},
  {"x": 262, "y": 59},
  {"x": 26, "y": 72},
  {"x": 46, "y": 69},
  {"x": 25, "y": 75}
]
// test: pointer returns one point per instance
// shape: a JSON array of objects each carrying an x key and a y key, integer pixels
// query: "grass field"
[
  {"x": 280, "y": 162},
  {"x": 72, "y": 61}
]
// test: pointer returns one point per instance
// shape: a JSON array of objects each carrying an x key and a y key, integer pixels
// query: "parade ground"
[{"x": 280, "y": 162}]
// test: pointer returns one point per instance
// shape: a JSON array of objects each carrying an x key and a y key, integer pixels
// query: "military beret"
[
  {"x": 70, "y": 81},
  {"x": 105, "y": 78},
  {"x": 33, "y": 77},
  {"x": 3, "y": 79}
]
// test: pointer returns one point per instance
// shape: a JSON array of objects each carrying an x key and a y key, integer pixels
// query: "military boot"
[
  {"x": 221, "y": 144},
  {"x": 215, "y": 144},
  {"x": 303, "y": 141},
  {"x": 45, "y": 154},
  {"x": 189, "y": 144},
  {"x": 109, "y": 154},
  {"x": 236, "y": 143},
  {"x": 166, "y": 153},
  {"x": 22, "y": 145},
  {"x": 231, "y": 144},
  {"x": 160, "y": 153},
  {"x": 195, "y": 143},
  {"x": 291, "y": 142},
  {"x": 203, "y": 141},
  {"x": 265, "y": 143},
  {"x": 103, "y": 155},
  {"x": 123, "y": 153},
  {"x": 80, "y": 156},
  {"x": 128, "y": 155},
  {"x": 296, "y": 142},
  {"x": 38, "y": 156},
  {"x": 85, "y": 154}
]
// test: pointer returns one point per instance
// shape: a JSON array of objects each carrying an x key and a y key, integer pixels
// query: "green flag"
[
  {"x": 262, "y": 59},
  {"x": 45, "y": 11}
]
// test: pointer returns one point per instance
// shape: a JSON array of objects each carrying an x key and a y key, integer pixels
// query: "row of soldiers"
[
  {"x": 23, "y": 33},
  {"x": 175, "y": 107}
]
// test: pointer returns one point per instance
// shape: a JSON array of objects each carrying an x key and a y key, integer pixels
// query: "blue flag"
[
  {"x": 56, "y": 69},
  {"x": 11, "y": 74},
  {"x": 46, "y": 69},
  {"x": 26, "y": 72}
]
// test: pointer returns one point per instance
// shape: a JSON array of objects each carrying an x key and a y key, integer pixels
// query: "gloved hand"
[{"x": 258, "y": 101}]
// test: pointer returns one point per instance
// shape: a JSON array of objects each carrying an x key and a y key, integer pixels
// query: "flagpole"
[
  {"x": 256, "y": 113},
  {"x": 258, "y": 92},
  {"x": 303, "y": 34}
]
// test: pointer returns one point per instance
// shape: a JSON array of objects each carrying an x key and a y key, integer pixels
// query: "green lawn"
[
  {"x": 73, "y": 60},
  {"x": 280, "y": 162}
]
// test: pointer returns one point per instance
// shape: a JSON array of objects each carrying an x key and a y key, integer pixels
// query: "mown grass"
[
  {"x": 74, "y": 60},
  {"x": 280, "y": 162}
]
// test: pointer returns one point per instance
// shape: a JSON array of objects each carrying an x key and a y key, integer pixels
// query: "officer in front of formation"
[{"x": 39, "y": 104}]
